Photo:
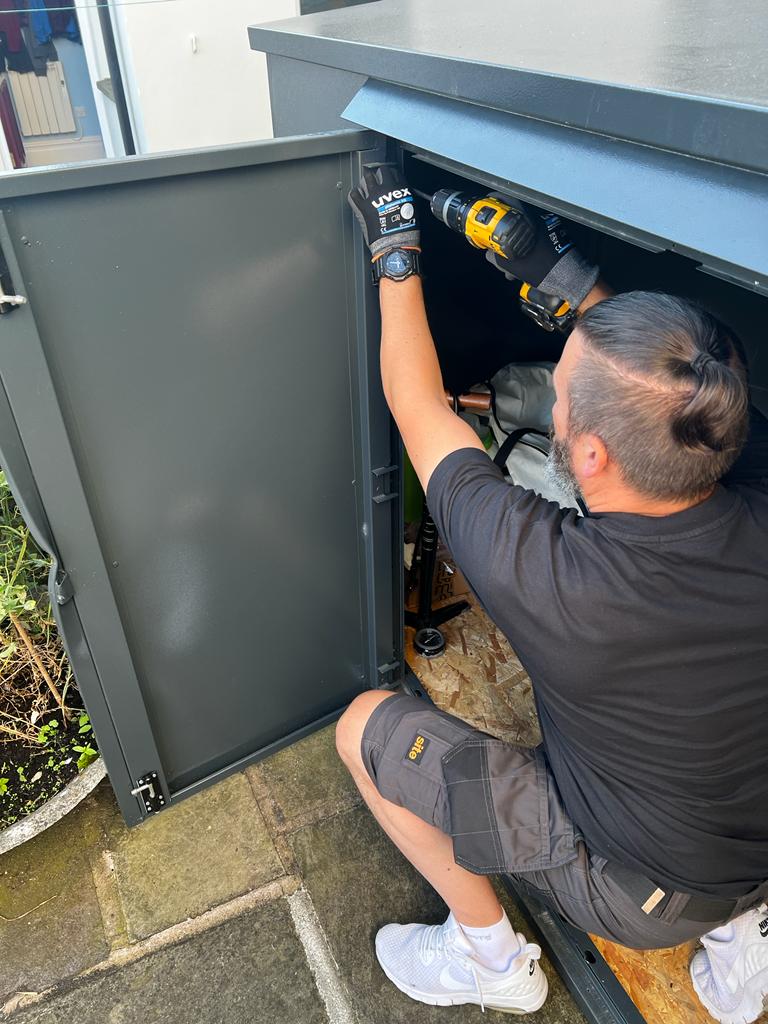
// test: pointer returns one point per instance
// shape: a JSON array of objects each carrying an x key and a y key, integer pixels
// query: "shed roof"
[{"x": 686, "y": 75}]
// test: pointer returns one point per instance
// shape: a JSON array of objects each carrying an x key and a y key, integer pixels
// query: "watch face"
[{"x": 397, "y": 263}]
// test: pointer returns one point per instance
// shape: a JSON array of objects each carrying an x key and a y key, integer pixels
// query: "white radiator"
[{"x": 43, "y": 104}]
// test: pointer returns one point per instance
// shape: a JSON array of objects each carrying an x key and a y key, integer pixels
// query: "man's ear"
[{"x": 590, "y": 456}]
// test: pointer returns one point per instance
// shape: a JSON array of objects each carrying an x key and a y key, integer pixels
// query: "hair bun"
[{"x": 702, "y": 360}]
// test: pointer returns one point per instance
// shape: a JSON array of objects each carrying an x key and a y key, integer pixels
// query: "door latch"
[
  {"x": 385, "y": 672},
  {"x": 8, "y": 301},
  {"x": 148, "y": 790},
  {"x": 11, "y": 300}
]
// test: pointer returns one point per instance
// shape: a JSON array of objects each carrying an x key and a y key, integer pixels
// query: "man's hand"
[
  {"x": 384, "y": 207},
  {"x": 552, "y": 264}
]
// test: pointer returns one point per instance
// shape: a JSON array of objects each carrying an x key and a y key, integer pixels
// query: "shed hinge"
[
  {"x": 386, "y": 669},
  {"x": 62, "y": 588},
  {"x": 381, "y": 478},
  {"x": 148, "y": 790}
]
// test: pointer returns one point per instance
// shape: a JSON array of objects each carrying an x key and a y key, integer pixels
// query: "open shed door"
[{"x": 190, "y": 421}]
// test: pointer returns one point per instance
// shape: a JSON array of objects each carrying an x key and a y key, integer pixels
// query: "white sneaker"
[
  {"x": 437, "y": 964},
  {"x": 730, "y": 975}
]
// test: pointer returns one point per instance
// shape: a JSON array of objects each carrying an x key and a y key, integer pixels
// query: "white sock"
[{"x": 495, "y": 944}]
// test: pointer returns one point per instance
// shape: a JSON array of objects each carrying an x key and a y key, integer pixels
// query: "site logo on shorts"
[{"x": 417, "y": 748}]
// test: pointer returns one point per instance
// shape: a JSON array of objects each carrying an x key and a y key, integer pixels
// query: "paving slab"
[
  {"x": 249, "y": 970},
  {"x": 307, "y": 780},
  {"x": 204, "y": 851},
  {"x": 358, "y": 882},
  {"x": 46, "y": 885}
]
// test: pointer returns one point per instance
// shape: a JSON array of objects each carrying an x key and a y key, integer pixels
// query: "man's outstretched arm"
[
  {"x": 413, "y": 383},
  {"x": 410, "y": 371}
]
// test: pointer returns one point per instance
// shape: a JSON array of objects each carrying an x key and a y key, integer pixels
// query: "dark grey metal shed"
[{"x": 190, "y": 411}]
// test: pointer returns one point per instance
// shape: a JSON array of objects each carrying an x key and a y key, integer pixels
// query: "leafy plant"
[
  {"x": 87, "y": 755},
  {"x": 43, "y": 738},
  {"x": 25, "y": 606},
  {"x": 45, "y": 731}
]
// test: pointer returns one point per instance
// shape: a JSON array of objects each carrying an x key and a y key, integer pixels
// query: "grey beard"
[{"x": 559, "y": 472}]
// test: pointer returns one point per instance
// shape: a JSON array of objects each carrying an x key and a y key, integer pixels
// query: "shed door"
[{"x": 188, "y": 384}]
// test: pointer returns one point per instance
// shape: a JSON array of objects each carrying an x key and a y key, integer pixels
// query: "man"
[{"x": 643, "y": 626}]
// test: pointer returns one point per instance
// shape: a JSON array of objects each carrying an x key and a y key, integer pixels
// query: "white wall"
[{"x": 181, "y": 99}]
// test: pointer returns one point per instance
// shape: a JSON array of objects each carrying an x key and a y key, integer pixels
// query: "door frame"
[{"x": 98, "y": 69}]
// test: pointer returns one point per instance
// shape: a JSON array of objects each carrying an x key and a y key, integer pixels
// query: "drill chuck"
[{"x": 450, "y": 207}]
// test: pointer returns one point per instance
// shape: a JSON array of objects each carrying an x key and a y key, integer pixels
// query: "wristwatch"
[{"x": 397, "y": 265}]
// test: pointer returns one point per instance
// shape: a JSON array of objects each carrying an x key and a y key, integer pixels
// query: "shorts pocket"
[
  {"x": 504, "y": 809},
  {"x": 409, "y": 772}
]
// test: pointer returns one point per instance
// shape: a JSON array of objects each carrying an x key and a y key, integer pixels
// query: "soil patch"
[{"x": 34, "y": 774}]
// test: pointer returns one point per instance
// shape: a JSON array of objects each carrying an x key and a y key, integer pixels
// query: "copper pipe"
[{"x": 480, "y": 401}]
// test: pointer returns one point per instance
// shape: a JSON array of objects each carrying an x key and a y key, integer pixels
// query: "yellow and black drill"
[{"x": 488, "y": 222}]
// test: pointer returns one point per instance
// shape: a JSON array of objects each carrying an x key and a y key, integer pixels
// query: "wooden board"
[{"x": 480, "y": 680}]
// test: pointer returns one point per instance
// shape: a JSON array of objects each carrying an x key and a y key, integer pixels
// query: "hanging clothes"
[
  {"x": 10, "y": 24},
  {"x": 63, "y": 22},
  {"x": 39, "y": 53},
  {"x": 40, "y": 24},
  {"x": 20, "y": 60}
]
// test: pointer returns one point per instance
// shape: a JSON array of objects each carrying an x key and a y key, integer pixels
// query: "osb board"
[
  {"x": 480, "y": 680},
  {"x": 657, "y": 981}
]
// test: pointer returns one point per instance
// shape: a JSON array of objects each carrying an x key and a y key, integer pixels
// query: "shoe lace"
[{"x": 433, "y": 944}]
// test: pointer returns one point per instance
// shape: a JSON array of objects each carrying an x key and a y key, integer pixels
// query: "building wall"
[{"x": 192, "y": 79}]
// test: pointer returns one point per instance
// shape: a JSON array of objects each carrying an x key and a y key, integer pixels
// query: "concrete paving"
[{"x": 255, "y": 900}]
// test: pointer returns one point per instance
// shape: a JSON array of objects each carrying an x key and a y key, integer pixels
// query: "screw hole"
[{"x": 589, "y": 956}]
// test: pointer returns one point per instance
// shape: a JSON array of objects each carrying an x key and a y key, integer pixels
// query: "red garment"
[
  {"x": 10, "y": 23},
  {"x": 11, "y": 127},
  {"x": 60, "y": 19}
]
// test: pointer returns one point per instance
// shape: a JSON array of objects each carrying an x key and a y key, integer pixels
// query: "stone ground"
[{"x": 256, "y": 900}]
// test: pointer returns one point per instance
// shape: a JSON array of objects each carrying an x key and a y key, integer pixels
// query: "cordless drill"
[{"x": 489, "y": 223}]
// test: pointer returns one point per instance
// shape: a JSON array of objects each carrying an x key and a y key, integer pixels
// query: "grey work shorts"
[{"x": 501, "y": 806}]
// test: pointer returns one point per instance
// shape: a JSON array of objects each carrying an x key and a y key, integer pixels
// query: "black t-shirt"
[{"x": 646, "y": 639}]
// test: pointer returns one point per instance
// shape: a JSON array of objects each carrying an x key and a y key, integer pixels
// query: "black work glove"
[
  {"x": 551, "y": 263},
  {"x": 383, "y": 205}
]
